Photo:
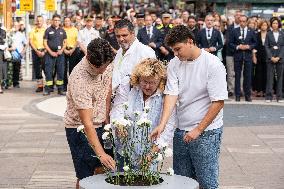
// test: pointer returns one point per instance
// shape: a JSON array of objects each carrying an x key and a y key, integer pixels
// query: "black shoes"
[
  {"x": 61, "y": 92},
  {"x": 39, "y": 89},
  {"x": 248, "y": 99},
  {"x": 230, "y": 94},
  {"x": 238, "y": 99}
]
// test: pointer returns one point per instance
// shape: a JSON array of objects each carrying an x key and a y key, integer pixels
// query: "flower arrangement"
[{"x": 140, "y": 165}]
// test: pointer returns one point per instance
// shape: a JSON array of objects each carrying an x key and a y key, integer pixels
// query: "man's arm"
[
  {"x": 169, "y": 104},
  {"x": 54, "y": 54},
  {"x": 86, "y": 118},
  {"x": 211, "y": 114}
]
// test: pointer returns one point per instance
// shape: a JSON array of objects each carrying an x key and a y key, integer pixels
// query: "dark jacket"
[
  {"x": 235, "y": 40},
  {"x": 156, "y": 37},
  {"x": 215, "y": 40},
  {"x": 274, "y": 49}
]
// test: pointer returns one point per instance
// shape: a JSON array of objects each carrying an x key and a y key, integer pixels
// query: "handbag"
[
  {"x": 16, "y": 56},
  {"x": 7, "y": 55}
]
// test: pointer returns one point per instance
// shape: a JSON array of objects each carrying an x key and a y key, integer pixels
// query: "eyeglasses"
[{"x": 150, "y": 83}]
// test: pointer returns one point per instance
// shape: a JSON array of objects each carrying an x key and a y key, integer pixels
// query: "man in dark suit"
[
  {"x": 150, "y": 35},
  {"x": 243, "y": 40},
  {"x": 209, "y": 38},
  {"x": 192, "y": 25}
]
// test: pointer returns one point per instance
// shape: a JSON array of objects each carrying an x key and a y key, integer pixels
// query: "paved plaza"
[{"x": 34, "y": 152}]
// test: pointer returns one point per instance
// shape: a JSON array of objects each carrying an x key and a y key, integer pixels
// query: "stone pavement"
[{"x": 34, "y": 152}]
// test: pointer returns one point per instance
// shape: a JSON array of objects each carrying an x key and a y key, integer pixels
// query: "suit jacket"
[
  {"x": 156, "y": 37},
  {"x": 229, "y": 32},
  {"x": 235, "y": 40},
  {"x": 215, "y": 41},
  {"x": 274, "y": 49}
]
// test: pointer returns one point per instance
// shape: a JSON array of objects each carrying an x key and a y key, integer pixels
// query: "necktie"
[
  {"x": 148, "y": 33},
  {"x": 208, "y": 34},
  {"x": 243, "y": 34}
]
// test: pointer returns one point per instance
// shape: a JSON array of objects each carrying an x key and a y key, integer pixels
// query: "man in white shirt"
[
  {"x": 86, "y": 35},
  {"x": 197, "y": 84},
  {"x": 131, "y": 52}
]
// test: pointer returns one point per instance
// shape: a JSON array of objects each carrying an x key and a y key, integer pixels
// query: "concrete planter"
[{"x": 170, "y": 182}]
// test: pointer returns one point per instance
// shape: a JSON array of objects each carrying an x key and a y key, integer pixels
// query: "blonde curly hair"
[{"x": 149, "y": 67}]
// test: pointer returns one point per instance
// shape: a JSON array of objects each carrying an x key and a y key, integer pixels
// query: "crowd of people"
[{"x": 251, "y": 48}]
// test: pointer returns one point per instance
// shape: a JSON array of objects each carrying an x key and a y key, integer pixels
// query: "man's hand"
[
  {"x": 152, "y": 44},
  {"x": 60, "y": 52},
  {"x": 107, "y": 161},
  {"x": 164, "y": 50},
  {"x": 53, "y": 54},
  {"x": 207, "y": 49},
  {"x": 191, "y": 135},
  {"x": 156, "y": 132},
  {"x": 212, "y": 49}
]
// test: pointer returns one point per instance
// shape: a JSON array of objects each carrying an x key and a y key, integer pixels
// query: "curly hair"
[
  {"x": 179, "y": 34},
  {"x": 149, "y": 67},
  {"x": 99, "y": 52}
]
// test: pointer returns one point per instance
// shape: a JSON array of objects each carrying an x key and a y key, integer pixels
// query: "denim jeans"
[{"x": 198, "y": 159}]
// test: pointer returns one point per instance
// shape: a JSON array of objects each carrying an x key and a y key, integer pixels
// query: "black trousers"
[
  {"x": 38, "y": 65},
  {"x": 70, "y": 63},
  {"x": 16, "y": 72}
]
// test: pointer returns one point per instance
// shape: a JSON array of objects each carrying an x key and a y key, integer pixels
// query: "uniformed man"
[
  {"x": 54, "y": 43},
  {"x": 87, "y": 34},
  {"x": 38, "y": 51}
]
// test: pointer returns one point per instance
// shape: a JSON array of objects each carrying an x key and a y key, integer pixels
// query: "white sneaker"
[
  {"x": 280, "y": 101},
  {"x": 268, "y": 101}
]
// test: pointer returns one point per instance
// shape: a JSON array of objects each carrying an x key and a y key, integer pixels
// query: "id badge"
[
  {"x": 59, "y": 47},
  {"x": 275, "y": 47}
]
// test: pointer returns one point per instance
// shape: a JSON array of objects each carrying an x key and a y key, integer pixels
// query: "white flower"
[
  {"x": 160, "y": 157},
  {"x": 137, "y": 113},
  {"x": 105, "y": 135},
  {"x": 126, "y": 168},
  {"x": 144, "y": 122},
  {"x": 80, "y": 128},
  {"x": 240, "y": 37},
  {"x": 170, "y": 171},
  {"x": 125, "y": 105},
  {"x": 107, "y": 127},
  {"x": 168, "y": 152},
  {"x": 162, "y": 144},
  {"x": 146, "y": 109}
]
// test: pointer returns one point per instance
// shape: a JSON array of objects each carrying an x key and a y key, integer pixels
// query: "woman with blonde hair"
[{"x": 147, "y": 84}]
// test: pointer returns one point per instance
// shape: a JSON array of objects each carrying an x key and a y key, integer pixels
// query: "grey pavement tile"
[
  {"x": 242, "y": 135},
  {"x": 36, "y": 130},
  {"x": 22, "y": 150},
  {"x": 30, "y": 144}
]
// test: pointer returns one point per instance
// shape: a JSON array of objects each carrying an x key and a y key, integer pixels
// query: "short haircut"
[
  {"x": 278, "y": 20},
  {"x": 192, "y": 17},
  {"x": 123, "y": 23},
  {"x": 99, "y": 52},
  {"x": 56, "y": 16},
  {"x": 263, "y": 22},
  {"x": 179, "y": 34}
]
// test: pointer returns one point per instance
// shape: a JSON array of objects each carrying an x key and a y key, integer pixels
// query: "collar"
[
  {"x": 132, "y": 48},
  {"x": 90, "y": 69},
  {"x": 210, "y": 29}
]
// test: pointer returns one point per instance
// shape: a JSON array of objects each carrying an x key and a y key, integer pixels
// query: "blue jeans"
[{"x": 198, "y": 159}]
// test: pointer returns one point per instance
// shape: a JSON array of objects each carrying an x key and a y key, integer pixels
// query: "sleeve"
[
  {"x": 219, "y": 41},
  {"x": 267, "y": 47},
  {"x": 172, "y": 87},
  {"x": 253, "y": 41},
  {"x": 79, "y": 39},
  {"x": 45, "y": 34},
  {"x": 64, "y": 34},
  {"x": 80, "y": 94},
  {"x": 216, "y": 83},
  {"x": 232, "y": 42},
  {"x": 168, "y": 133}
]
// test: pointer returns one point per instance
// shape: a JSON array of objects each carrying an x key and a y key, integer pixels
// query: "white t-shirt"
[{"x": 197, "y": 83}]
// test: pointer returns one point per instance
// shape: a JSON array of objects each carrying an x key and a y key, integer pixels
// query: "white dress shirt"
[
  {"x": 85, "y": 36},
  {"x": 276, "y": 36},
  {"x": 19, "y": 41}
]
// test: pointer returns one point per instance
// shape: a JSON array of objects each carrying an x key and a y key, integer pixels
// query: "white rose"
[
  {"x": 160, "y": 157},
  {"x": 80, "y": 128},
  {"x": 168, "y": 152},
  {"x": 145, "y": 121},
  {"x": 105, "y": 135},
  {"x": 162, "y": 144},
  {"x": 126, "y": 168},
  {"x": 125, "y": 105},
  {"x": 170, "y": 171},
  {"x": 107, "y": 127}
]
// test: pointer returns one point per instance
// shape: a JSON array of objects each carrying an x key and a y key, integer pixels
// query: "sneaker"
[
  {"x": 268, "y": 101},
  {"x": 280, "y": 101}
]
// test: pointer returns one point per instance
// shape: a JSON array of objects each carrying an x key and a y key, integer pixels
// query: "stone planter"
[{"x": 170, "y": 182}]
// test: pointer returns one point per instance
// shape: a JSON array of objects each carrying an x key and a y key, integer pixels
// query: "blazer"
[
  {"x": 156, "y": 37},
  {"x": 274, "y": 49},
  {"x": 215, "y": 41},
  {"x": 235, "y": 40}
]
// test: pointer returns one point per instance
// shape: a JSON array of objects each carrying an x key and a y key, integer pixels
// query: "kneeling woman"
[{"x": 145, "y": 102}]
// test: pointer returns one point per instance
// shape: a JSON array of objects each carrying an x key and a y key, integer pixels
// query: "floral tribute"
[{"x": 129, "y": 137}]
